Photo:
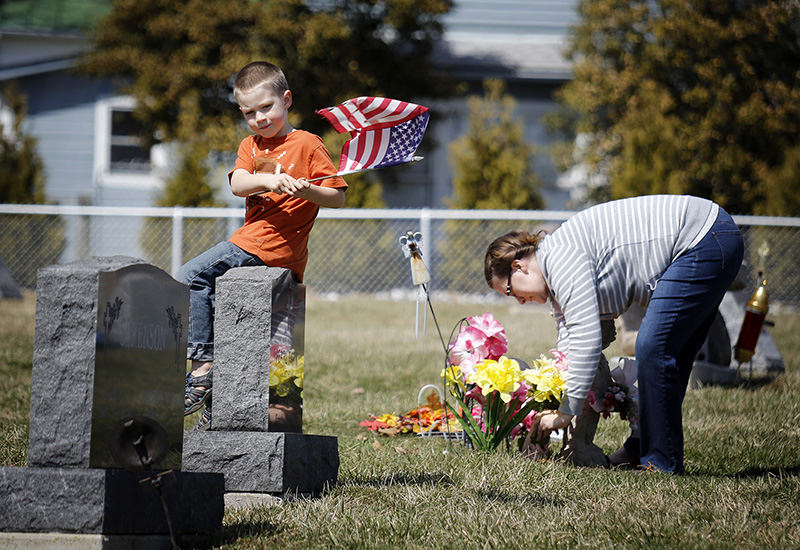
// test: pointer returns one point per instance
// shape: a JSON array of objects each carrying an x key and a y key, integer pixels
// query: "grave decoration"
[
  {"x": 428, "y": 419},
  {"x": 498, "y": 396},
  {"x": 620, "y": 395}
]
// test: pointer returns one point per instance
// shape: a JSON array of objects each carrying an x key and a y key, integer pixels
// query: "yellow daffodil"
[
  {"x": 546, "y": 379},
  {"x": 503, "y": 376},
  {"x": 453, "y": 375}
]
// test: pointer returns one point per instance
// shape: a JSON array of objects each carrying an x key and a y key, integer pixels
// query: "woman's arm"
[{"x": 572, "y": 283}]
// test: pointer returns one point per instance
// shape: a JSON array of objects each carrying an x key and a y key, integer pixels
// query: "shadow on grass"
[
  {"x": 755, "y": 383},
  {"x": 489, "y": 494},
  {"x": 397, "y": 479},
  {"x": 229, "y": 534}
]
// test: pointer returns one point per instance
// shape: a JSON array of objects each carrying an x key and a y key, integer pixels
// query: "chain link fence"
[{"x": 351, "y": 250}]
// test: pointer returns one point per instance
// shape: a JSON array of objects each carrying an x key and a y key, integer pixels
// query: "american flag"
[{"x": 385, "y": 131}]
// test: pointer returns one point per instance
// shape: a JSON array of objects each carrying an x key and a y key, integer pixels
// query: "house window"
[{"x": 126, "y": 152}]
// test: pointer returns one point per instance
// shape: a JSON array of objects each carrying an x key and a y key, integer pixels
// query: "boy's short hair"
[{"x": 260, "y": 73}]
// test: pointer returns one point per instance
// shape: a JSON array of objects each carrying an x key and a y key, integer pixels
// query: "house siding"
[{"x": 63, "y": 123}]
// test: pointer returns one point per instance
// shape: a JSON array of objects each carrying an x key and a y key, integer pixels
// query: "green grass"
[{"x": 742, "y": 451}]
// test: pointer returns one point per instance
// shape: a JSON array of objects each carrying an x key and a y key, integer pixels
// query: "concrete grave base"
[
  {"x": 107, "y": 501},
  {"x": 249, "y": 500},
  {"x": 264, "y": 462},
  {"x": 71, "y": 541}
]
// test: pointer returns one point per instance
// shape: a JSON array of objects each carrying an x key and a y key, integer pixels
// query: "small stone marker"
[
  {"x": 255, "y": 438},
  {"x": 109, "y": 347},
  {"x": 8, "y": 286}
]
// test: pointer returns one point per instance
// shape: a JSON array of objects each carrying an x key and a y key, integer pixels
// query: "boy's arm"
[
  {"x": 243, "y": 183},
  {"x": 329, "y": 197}
]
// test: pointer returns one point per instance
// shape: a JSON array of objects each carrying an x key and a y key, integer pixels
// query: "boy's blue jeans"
[
  {"x": 201, "y": 273},
  {"x": 674, "y": 328}
]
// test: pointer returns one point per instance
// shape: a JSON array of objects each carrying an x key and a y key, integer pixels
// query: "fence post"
[
  {"x": 177, "y": 239},
  {"x": 427, "y": 237}
]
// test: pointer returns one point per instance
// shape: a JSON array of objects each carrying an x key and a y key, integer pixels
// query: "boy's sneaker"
[
  {"x": 204, "y": 422},
  {"x": 198, "y": 391}
]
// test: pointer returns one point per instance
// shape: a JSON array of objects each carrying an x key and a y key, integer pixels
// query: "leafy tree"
[
  {"x": 688, "y": 96},
  {"x": 492, "y": 170},
  {"x": 492, "y": 162},
  {"x": 27, "y": 241},
  {"x": 177, "y": 57},
  {"x": 189, "y": 184},
  {"x": 21, "y": 169}
]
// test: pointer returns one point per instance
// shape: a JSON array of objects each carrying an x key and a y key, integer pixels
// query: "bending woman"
[{"x": 676, "y": 255}]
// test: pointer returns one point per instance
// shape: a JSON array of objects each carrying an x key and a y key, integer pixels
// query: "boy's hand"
[
  {"x": 297, "y": 186},
  {"x": 279, "y": 183}
]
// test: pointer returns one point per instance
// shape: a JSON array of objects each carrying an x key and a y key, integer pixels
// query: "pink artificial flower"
[
  {"x": 469, "y": 348},
  {"x": 524, "y": 426},
  {"x": 520, "y": 394},
  {"x": 477, "y": 414},
  {"x": 487, "y": 324},
  {"x": 278, "y": 350},
  {"x": 496, "y": 346},
  {"x": 561, "y": 359},
  {"x": 527, "y": 422}
]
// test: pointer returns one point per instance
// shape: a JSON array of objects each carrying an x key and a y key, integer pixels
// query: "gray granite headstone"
[
  {"x": 265, "y": 462},
  {"x": 255, "y": 438},
  {"x": 109, "y": 346},
  {"x": 259, "y": 333},
  {"x": 109, "y": 343},
  {"x": 107, "y": 501}
]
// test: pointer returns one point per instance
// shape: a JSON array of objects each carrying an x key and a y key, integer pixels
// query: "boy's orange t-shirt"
[{"x": 276, "y": 227}]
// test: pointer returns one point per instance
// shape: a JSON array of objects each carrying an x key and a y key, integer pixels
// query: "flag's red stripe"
[
  {"x": 370, "y": 113},
  {"x": 376, "y": 148}
]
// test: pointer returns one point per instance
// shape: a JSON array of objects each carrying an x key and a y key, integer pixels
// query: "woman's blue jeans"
[
  {"x": 201, "y": 273},
  {"x": 672, "y": 332}
]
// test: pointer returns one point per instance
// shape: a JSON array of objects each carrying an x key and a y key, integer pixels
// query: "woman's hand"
[{"x": 548, "y": 421}]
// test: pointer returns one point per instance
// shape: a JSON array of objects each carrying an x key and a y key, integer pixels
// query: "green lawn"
[{"x": 742, "y": 451}]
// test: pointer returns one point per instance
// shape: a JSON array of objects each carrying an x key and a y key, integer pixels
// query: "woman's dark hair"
[{"x": 504, "y": 250}]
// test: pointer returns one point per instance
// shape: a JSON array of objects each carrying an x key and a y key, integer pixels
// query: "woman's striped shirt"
[{"x": 605, "y": 258}]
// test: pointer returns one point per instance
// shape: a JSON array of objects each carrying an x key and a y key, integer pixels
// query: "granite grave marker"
[
  {"x": 109, "y": 350},
  {"x": 256, "y": 437}
]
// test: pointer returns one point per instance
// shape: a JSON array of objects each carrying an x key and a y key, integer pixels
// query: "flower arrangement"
[
  {"x": 429, "y": 418},
  {"x": 497, "y": 397},
  {"x": 424, "y": 420},
  {"x": 621, "y": 396}
]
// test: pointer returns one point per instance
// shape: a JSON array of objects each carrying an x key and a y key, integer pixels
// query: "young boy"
[{"x": 272, "y": 171}]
